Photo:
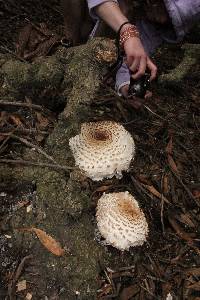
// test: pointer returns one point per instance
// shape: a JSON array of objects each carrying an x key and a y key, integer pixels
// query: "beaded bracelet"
[{"x": 127, "y": 33}]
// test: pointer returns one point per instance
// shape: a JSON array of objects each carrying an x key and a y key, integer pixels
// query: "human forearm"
[
  {"x": 136, "y": 57},
  {"x": 111, "y": 13}
]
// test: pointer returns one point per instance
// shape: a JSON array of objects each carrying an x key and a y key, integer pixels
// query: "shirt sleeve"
[
  {"x": 93, "y": 3},
  {"x": 122, "y": 78}
]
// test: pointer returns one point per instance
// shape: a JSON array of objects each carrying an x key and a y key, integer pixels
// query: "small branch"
[
  {"x": 155, "y": 114},
  {"x": 32, "y": 163},
  {"x": 6, "y": 132},
  {"x": 29, "y": 144},
  {"x": 21, "y": 104},
  {"x": 12, "y": 284},
  {"x": 185, "y": 187},
  {"x": 12, "y": 53}
]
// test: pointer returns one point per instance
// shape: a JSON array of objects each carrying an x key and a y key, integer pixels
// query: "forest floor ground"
[{"x": 166, "y": 132}]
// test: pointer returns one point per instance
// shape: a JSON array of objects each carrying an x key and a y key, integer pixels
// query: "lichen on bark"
[{"x": 62, "y": 207}]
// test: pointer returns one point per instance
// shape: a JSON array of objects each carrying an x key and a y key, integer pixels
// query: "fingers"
[
  {"x": 124, "y": 90},
  {"x": 148, "y": 95},
  {"x": 142, "y": 67},
  {"x": 152, "y": 68},
  {"x": 133, "y": 63},
  {"x": 138, "y": 66}
]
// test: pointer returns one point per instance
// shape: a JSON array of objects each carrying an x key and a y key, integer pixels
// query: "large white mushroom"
[
  {"x": 103, "y": 149},
  {"x": 120, "y": 220}
]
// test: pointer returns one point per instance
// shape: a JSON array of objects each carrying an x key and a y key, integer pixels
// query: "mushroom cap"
[
  {"x": 120, "y": 220},
  {"x": 103, "y": 149}
]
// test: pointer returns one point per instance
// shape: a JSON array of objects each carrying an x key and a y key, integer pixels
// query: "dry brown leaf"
[
  {"x": 195, "y": 286},
  {"x": 165, "y": 184},
  {"x": 103, "y": 188},
  {"x": 16, "y": 120},
  {"x": 169, "y": 147},
  {"x": 196, "y": 193},
  {"x": 180, "y": 232},
  {"x": 172, "y": 164},
  {"x": 52, "y": 245},
  {"x": 186, "y": 219},
  {"x": 47, "y": 241},
  {"x": 153, "y": 191},
  {"x": 2, "y": 137},
  {"x": 43, "y": 122},
  {"x": 193, "y": 271},
  {"x": 143, "y": 178},
  {"x": 129, "y": 292}
]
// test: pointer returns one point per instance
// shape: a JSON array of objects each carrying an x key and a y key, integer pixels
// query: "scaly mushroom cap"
[
  {"x": 103, "y": 149},
  {"x": 120, "y": 220}
]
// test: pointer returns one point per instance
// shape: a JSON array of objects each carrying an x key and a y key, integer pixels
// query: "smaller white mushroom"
[
  {"x": 103, "y": 149},
  {"x": 120, "y": 220}
]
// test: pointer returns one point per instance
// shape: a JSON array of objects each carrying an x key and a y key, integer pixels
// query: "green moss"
[
  {"x": 47, "y": 72},
  {"x": 17, "y": 74}
]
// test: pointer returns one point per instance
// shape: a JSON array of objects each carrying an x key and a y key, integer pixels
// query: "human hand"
[
  {"x": 134, "y": 101},
  {"x": 137, "y": 59}
]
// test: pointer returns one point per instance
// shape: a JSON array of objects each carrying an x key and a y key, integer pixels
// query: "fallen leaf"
[
  {"x": 16, "y": 120},
  {"x": 129, "y": 292},
  {"x": 195, "y": 286},
  {"x": 169, "y": 147},
  {"x": 193, "y": 271},
  {"x": 21, "y": 286},
  {"x": 47, "y": 241},
  {"x": 165, "y": 184},
  {"x": 153, "y": 191},
  {"x": 172, "y": 164},
  {"x": 186, "y": 219},
  {"x": 103, "y": 188},
  {"x": 43, "y": 122},
  {"x": 51, "y": 244},
  {"x": 143, "y": 178},
  {"x": 180, "y": 232},
  {"x": 196, "y": 193}
]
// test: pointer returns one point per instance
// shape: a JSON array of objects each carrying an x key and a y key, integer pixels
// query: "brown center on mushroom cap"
[
  {"x": 100, "y": 135},
  {"x": 103, "y": 149},
  {"x": 128, "y": 209},
  {"x": 120, "y": 220}
]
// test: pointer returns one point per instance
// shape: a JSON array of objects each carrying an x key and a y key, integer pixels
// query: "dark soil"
[{"x": 166, "y": 131}]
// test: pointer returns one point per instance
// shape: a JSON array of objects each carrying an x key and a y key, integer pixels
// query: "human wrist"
[{"x": 127, "y": 32}]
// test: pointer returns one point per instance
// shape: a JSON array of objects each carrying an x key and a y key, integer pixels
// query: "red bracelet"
[{"x": 127, "y": 33}]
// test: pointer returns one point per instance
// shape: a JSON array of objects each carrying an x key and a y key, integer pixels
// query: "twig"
[
  {"x": 21, "y": 104},
  {"x": 140, "y": 187},
  {"x": 11, "y": 52},
  {"x": 6, "y": 139},
  {"x": 162, "y": 204},
  {"x": 147, "y": 291},
  {"x": 12, "y": 284},
  {"x": 5, "y": 132},
  {"x": 185, "y": 187},
  {"x": 32, "y": 163},
  {"x": 29, "y": 144},
  {"x": 155, "y": 114}
]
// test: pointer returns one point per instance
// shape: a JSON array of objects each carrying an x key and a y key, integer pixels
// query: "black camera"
[{"x": 139, "y": 87}]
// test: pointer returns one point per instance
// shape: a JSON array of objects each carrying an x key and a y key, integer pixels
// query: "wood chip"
[
  {"x": 21, "y": 285},
  {"x": 29, "y": 296}
]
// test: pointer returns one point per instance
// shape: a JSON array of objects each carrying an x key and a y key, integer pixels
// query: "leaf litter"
[{"x": 167, "y": 157}]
